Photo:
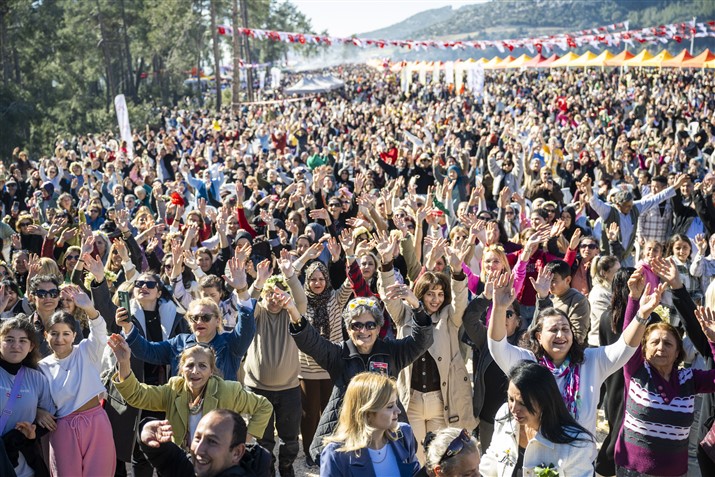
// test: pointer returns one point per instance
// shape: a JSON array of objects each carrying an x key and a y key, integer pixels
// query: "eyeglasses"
[
  {"x": 456, "y": 446},
  {"x": 590, "y": 246},
  {"x": 398, "y": 216},
  {"x": 72, "y": 257},
  {"x": 509, "y": 212},
  {"x": 168, "y": 265},
  {"x": 54, "y": 293},
  {"x": 24, "y": 224},
  {"x": 334, "y": 204},
  {"x": 551, "y": 211},
  {"x": 149, "y": 285},
  {"x": 359, "y": 326},
  {"x": 202, "y": 317},
  {"x": 355, "y": 302}
]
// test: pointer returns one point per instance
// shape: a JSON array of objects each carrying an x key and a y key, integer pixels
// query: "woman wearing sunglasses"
[
  {"x": 45, "y": 294},
  {"x": 363, "y": 351},
  {"x": 451, "y": 452},
  {"x": 368, "y": 440},
  {"x": 534, "y": 430},
  {"x": 190, "y": 395}
]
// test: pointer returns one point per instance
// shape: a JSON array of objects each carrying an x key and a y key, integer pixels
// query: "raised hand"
[
  {"x": 334, "y": 249},
  {"x": 88, "y": 245},
  {"x": 531, "y": 246},
  {"x": 263, "y": 271},
  {"x": 121, "y": 249},
  {"x": 666, "y": 269},
  {"x": 190, "y": 260},
  {"x": 650, "y": 299},
  {"x": 558, "y": 228},
  {"x": 399, "y": 291},
  {"x": 122, "y": 220},
  {"x": 347, "y": 241},
  {"x": 314, "y": 251},
  {"x": 237, "y": 273},
  {"x": 119, "y": 346},
  {"x": 285, "y": 263},
  {"x": 613, "y": 232},
  {"x": 458, "y": 255},
  {"x": 81, "y": 299},
  {"x": 319, "y": 214},
  {"x": 706, "y": 318},
  {"x": 542, "y": 284},
  {"x": 504, "y": 294},
  {"x": 492, "y": 233},
  {"x": 94, "y": 266},
  {"x": 575, "y": 239},
  {"x": 155, "y": 433},
  {"x": 701, "y": 243},
  {"x": 636, "y": 284},
  {"x": 386, "y": 246}
]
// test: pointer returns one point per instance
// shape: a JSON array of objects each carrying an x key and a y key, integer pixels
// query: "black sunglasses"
[
  {"x": 203, "y": 317},
  {"x": 456, "y": 446},
  {"x": 590, "y": 246},
  {"x": 150, "y": 285},
  {"x": 72, "y": 257},
  {"x": 54, "y": 293},
  {"x": 358, "y": 326}
]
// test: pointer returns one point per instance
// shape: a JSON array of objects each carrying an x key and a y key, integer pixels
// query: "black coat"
[
  {"x": 343, "y": 361},
  {"x": 124, "y": 418}
]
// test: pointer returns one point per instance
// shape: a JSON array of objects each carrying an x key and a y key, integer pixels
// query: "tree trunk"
[
  {"x": 131, "y": 90},
  {"x": 247, "y": 56},
  {"x": 5, "y": 63},
  {"x": 111, "y": 87},
  {"x": 236, "y": 88},
  {"x": 217, "y": 55}
]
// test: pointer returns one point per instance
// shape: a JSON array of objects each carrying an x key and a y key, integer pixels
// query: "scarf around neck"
[
  {"x": 572, "y": 374},
  {"x": 317, "y": 312}
]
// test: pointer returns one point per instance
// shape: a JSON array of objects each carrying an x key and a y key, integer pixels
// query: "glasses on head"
[
  {"x": 72, "y": 257},
  {"x": 54, "y": 293},
  {"x": 359, "y": 326},
  {"x": 355, "y": 302},
  {"x": 590, "y": 246},
  {"x": 202, "y": 317},
  {"x": 143, "y": 283},
  {"x": 456, "y": 446},
  {"x": 205, "y": 346}
]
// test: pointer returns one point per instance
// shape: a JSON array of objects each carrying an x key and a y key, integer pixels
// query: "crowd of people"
[{"x": 417, "y": 282}]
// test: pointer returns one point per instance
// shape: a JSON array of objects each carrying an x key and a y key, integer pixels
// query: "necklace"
[{"x": 380, "y": 456}]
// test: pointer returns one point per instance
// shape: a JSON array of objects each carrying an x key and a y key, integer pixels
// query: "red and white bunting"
[{"x": 609, "y": 35}]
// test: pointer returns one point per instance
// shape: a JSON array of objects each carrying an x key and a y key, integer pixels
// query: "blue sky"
[{"x": 345, "y": 17}]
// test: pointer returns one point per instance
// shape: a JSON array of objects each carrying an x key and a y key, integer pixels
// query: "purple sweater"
[{"x": 654, "y": 436}]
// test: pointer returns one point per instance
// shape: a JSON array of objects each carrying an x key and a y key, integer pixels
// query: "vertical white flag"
[
  {"x": 261, "y": 79},
  {"x": 125, "y": 130}
]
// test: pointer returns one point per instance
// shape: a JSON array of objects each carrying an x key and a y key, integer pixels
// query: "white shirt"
[
  {"x": 75, "y": 380},
  {"x": 598, "y": 364}
]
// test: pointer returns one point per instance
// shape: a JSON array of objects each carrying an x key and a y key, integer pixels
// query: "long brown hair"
[{"x": 22, "y": 323}]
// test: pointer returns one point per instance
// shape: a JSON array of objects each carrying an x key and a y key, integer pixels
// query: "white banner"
[{"x": 125, "y": 130}]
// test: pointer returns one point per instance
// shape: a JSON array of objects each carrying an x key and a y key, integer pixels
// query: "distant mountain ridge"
[{"x": 502, "y": 19}]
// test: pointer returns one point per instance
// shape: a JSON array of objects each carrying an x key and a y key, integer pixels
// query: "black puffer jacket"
[{"x": 343, "y": 361}]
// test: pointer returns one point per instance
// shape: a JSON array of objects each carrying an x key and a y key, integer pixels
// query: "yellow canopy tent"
[
  {"x": 639, "y": 59},
  {"x": 517, "y": 63},
  {"x": 565, "y": 60},
  {"x": 677, "y": 60},
  {"x": 658, "y": 60},
  {"x": 620, "y": 58},
  {"x": 494, "y": 62},
  {"x": 600, "y": 60},
  {"x": 709, "y": 64},
  {"x": 583, "y": 60},
  {"x": 699, "y": 60}
]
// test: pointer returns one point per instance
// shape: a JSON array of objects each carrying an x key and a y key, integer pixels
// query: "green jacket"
[{"x": 173, "y": 398}]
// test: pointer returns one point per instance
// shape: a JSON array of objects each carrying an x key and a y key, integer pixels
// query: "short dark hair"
[
  {"x": 560, "y": 268},
  {"x": 429, "y": 280},
  {"x": 36, "y": 280},
  {"x": 661, "y": 179},
  {"x": 22, "y": 323},
  {"x": 239, "y": 425}
]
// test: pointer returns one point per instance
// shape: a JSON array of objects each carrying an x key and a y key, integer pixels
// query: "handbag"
[{"x": 7, "y": 412}]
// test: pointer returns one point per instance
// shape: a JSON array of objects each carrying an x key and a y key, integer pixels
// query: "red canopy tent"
[
  {"x": 699, "y": 60},
  {"x": 620, "y": 58},
  {"x": 677, "y": 60},
  {"x": 540, "y": 62}
]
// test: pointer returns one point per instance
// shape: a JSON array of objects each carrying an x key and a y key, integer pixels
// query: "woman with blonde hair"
[{"x": 368, "y": 434}]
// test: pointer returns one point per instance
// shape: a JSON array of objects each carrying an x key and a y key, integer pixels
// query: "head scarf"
[{"x": 318, "y": 303}]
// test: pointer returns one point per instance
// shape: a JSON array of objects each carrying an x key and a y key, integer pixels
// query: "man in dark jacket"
[{"x": 217, "y": 450}]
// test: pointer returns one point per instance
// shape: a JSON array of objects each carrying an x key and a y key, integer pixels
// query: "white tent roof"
[{"x": 319, "y": 84}]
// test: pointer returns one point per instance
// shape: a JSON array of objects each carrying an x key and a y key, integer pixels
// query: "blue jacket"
[
  {"x": 230, "y": 347},
  {"x": 354, "y": 464}
]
